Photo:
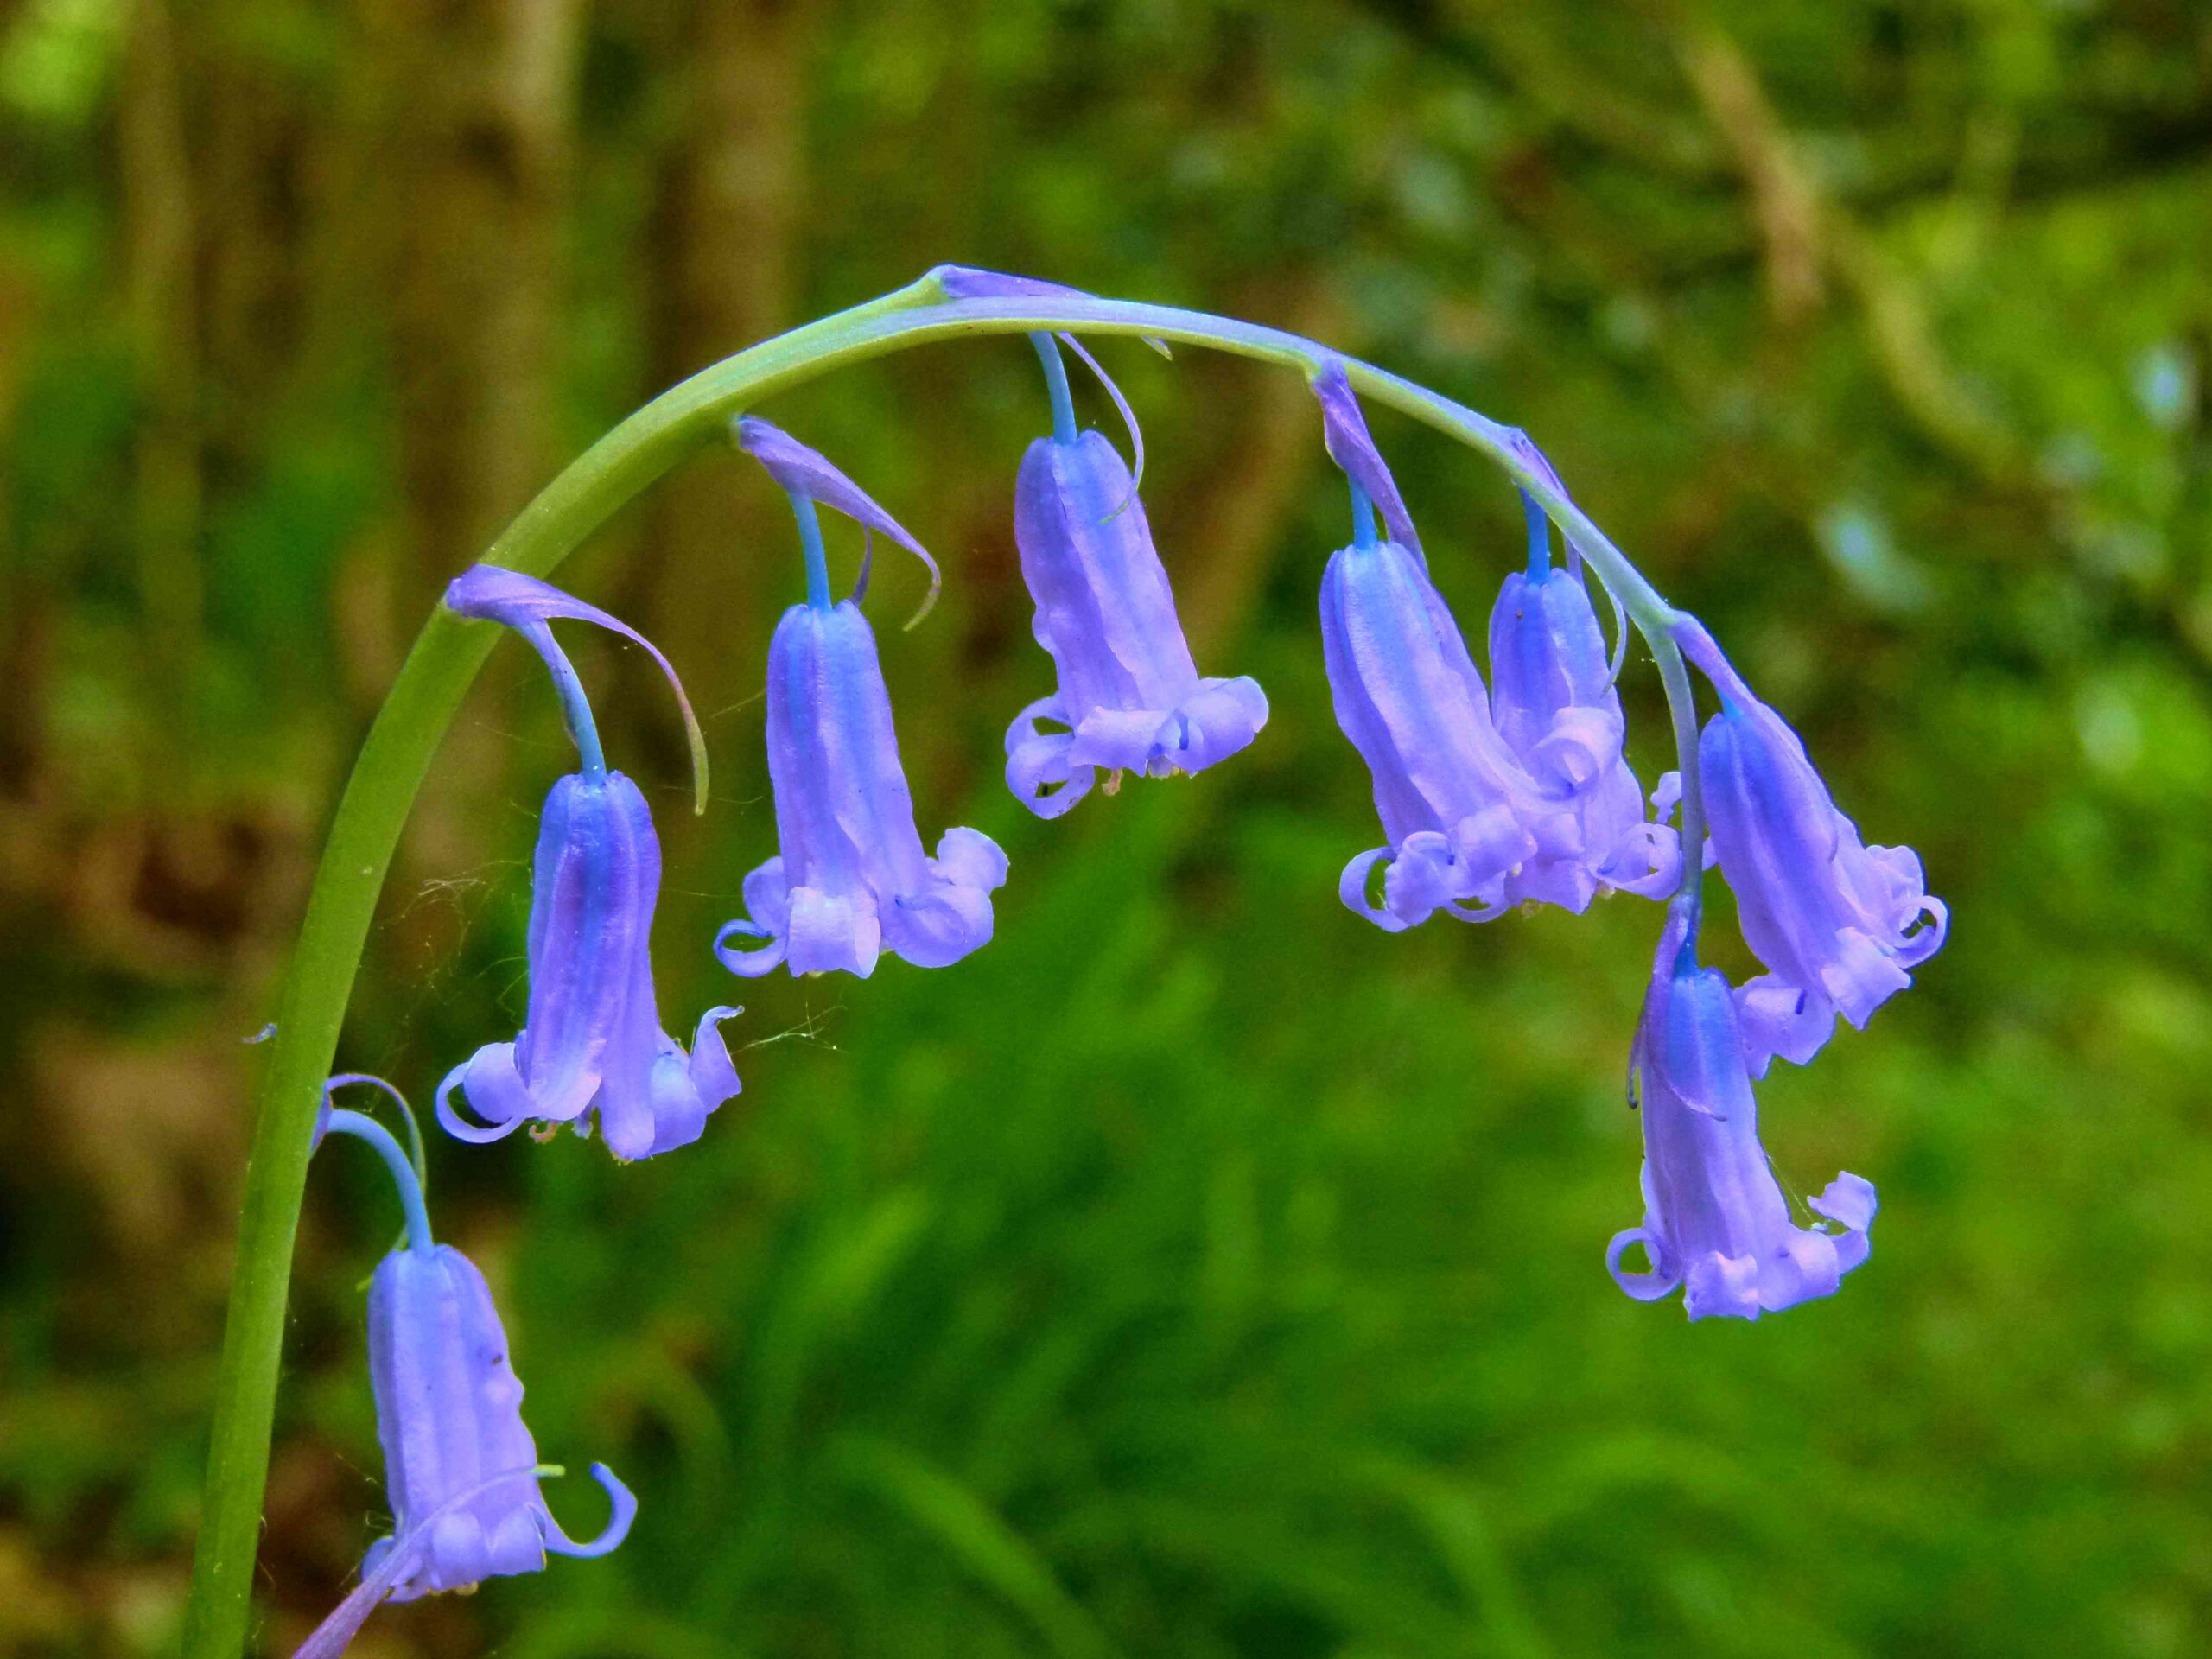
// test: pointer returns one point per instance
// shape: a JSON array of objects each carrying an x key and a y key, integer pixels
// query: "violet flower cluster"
[
  {"x": 1521, "y": 793},
  {"x": 1492, "y": 794},
  {"x": 1489, "y": 798}
]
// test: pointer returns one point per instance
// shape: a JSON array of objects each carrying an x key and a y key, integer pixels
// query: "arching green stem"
[{"x": 437, "y": 673}]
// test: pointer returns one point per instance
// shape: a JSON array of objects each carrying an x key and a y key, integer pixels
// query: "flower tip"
[
  {"x": 618, "y": 1525},
  {"x": 929, "y": 600}
]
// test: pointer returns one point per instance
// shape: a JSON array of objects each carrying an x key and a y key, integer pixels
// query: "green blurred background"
[{"x": 1196, "y": 1271}]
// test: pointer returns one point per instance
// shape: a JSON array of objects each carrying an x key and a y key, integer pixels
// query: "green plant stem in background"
[{"x": 429, "y": 691}]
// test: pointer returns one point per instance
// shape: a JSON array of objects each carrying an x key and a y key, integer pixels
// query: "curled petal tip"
[
  {"x": 618, "y": 1524},
  {"x": 459, "y": 1126}
]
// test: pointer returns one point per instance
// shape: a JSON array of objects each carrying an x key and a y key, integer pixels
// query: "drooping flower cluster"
[
  {"x": 1491, "y": 795},
  {"x": 1488, "y": 800},
  {"x": 1523, "y": 793}
]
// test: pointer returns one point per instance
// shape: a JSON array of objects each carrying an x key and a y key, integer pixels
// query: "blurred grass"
[{"x": 1195, "y": 1271}]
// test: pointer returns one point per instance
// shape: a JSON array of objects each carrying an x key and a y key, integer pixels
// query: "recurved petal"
[
  {"x": 938, "y": 925},
  {"x": 1803, "y": 1267},
  {"x": 971, "y": 859},
  {"x": 1849, "y": 1202},
  {"x": 1860, "y": 976},
  {"x": 1039, "y": 767},
  {"x": 1424, "y": 877},
  {"x": 1649, "y": 1286},
  {"x": 768, "y": 903},
  {"x": 1582, "y": 745},
  {"x": 713, "y": 1076},
  {"x": 611, "y": 1536},
  {"x": 1725, "y": 1287},
  {"x": 1120, "y": 739},
  {"x": 1351, "y": 888},
  {"x": 1777, "y": 1018},
  {"x": 1647, "y": 861},
  {"x": 1222, "y": 718},
  {"x": 1490, "y": 842},
  {"x": 495, "y": 1092}
]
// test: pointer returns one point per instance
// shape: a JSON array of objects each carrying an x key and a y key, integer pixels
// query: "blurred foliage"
[{"x": 1196, "y": 1271}]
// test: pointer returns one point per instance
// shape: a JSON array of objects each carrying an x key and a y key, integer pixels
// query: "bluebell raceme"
[{"x": 1492, "y": 794}]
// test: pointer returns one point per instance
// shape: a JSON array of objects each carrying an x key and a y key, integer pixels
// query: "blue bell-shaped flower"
[
  {"x": 1553, "y": 701},
  {"x": 1130, "y": 698},
  {"x": 1715, "y": 1222},
  {"x": 460, "y": 1469},
  {"x": 850, "y": 880},
  {"x": 591, "y": 1041},
  {"x": 1837, "y": 924}
]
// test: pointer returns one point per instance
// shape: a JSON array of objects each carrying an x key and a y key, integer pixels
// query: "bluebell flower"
[
  {"x": 1130, "y": 698},
  {"x": 460, "y": 1469},
  {"x": 1715, "y": 1222},
  {"x": 591, "y": 1042},
  {"x": 1837, "y": 924},
  {"x": 1553, "y": 701},
  {"x": 1464, "y": 818},
  {"x": 850, "y": 880}
]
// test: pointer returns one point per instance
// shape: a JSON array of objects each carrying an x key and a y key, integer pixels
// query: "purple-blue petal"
[
  {"x": 1553, "y": 703},
  {"x": 450, "y": 1419}
]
